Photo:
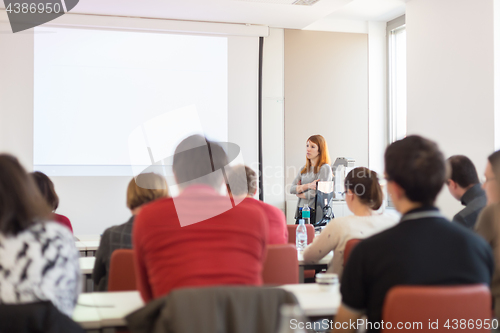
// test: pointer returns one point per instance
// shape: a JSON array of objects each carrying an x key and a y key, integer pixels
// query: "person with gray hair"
[
  {"x": 200, "y": 237},
  {"x": 242, "y": 183}
]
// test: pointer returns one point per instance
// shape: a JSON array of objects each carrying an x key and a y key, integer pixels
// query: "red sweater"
[
  {"x": 63, "y": 220},
  {"x": 225, "y": 249},
  {"x": 278, "y": 231}
]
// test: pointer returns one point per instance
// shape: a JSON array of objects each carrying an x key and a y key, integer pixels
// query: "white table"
[
  {"x": 87, "y": 265},
  {"x": 86, "y": 268},
  {"x": 106, "y": 310},
  {"x": 87, "y": 248},
  {"x": 313, "y": 301},
  {"x": 103, "y": 310},
  {"x": 325, "y": 261}
]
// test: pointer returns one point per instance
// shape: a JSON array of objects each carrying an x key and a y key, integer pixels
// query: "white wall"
[
  {"x": 377, "y": 95},
  {"x": 326, "y": 92},
  {"x": 450, "y": 70},
  {"x": 16, "y": 94},
  {"x": 273, "y": 127}
]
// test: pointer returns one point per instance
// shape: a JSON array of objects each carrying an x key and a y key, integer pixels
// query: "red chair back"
[
  {"x": 412, "y": 304},
  {"x": 281, "y": 265},
  {"x": 122, "y": 271},
  {"x": 348, "y": 248},
  {"x": 292, "y": 228}
]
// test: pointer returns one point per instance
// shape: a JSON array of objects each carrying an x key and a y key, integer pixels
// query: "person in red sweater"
[
  {"x": 242, "y": 183},
  {"x": 46, "y": 188},
  {"x": 199, "y": 238}
]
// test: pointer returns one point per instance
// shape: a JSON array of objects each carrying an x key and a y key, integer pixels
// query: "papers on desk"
[
  {"x": 313, "y": 301},
  {"x": 100, "y": 310}
]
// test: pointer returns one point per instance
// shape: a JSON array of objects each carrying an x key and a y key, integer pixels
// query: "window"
[{"x": 396, "y": 32}]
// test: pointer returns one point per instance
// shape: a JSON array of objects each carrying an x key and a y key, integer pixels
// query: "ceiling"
[{"x": 263, "y": 12}]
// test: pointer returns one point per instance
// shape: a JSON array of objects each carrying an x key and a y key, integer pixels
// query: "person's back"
[
  {"x": 464, "y": 186},
  {"x": 420, "y": 251},
  {"x": 242, "y": 184},
  {"x": 278, "y": 231},
  {"x": 226, "y": 249},
  {"x": 423, "y": 249}
]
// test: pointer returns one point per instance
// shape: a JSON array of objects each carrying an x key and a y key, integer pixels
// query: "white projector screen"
[{"x": 110, "y": 103}]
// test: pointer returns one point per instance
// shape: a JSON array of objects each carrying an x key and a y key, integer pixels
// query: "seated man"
[
  {"x": 243, "y": 184},
  {"x": 464, "y": 186},
  {"x": 199, "y": 238},
  {"x": 424, "y": 248}
]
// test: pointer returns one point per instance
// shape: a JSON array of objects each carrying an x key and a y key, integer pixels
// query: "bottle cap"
[{"x": 302, "y": 221}]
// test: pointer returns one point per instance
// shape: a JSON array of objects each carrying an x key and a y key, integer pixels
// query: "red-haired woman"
[{"x": 317, "y": 168}]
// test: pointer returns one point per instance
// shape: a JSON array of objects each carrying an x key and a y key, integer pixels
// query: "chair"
[
  {"x": 412, "y": 304},
  {"x": 348, "y": 248},
  {"x": 292, "y": 228},
  {"x": 235, "y": 309},
  {"x": 122, "y": 271},
  {"x": 281, "y": 265}
]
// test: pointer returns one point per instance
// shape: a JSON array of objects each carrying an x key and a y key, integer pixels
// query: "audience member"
[
  {"x": 363, "y": 196},
  {"x": 242, "y": 183},
  {"x": 38, "y": 258},
  {"x": 198, "y": 238},
  {"x": 423, "y": 248},
  {"x": 488, "y": 221},
  {"x": 46, "y": 187},
  {"x": 465, "y": 187},
  {"x": 142, "y": 189}
]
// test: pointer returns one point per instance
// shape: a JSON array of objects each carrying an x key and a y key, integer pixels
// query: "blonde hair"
[
  {"x": 324, "y": 156},
  {"x": 144, "y": 188}
]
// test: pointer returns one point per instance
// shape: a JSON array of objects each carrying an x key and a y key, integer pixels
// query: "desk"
[
  {"x": 106, "y": 310},
  {"x": 323, "y": 263},
  {"x": 86, "y": 268},
  {"x": 313, "y": 301},
  {"x": 87, "y": 248}
]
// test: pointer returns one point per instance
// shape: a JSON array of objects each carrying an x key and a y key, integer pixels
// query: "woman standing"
[{"x": 317, "y": 168}]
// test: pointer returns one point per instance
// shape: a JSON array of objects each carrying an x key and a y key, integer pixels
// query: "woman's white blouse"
[
  {"x": 39, "y": 264},
  {"x": 340, "y": 230}
]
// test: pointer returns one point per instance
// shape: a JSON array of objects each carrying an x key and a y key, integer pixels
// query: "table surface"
[
  {"x": 314, "y": 301},
  {"x": 87, "y": 264},
  {"x": 87, "y": 245},
  {"x": 109, "y": 309},
  {"x": 323, "y": 261}
]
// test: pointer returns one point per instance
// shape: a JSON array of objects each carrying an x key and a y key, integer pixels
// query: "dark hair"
[
  {"x": 463, "y": 171},
  {"x": 494, "y": 160},
  {"x": 198, "y": 161},
  {"x": 46, "y": 188},
  {"x": 241, "y": 180},
  {"x": 417, "y": 165},
  {"x": 21, "y": 204},
  {"x": 364, "y": 184}
]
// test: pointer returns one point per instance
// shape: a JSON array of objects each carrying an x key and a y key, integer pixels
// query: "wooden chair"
[
  {"x": 348, "y": 248},
  {"x": 281, "y": 265},
  {"x": 122, "y": 271},
  {"x": 413, "y": 304}
]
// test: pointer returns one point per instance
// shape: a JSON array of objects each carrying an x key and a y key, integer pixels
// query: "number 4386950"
[{"x": 33, "y": 8}]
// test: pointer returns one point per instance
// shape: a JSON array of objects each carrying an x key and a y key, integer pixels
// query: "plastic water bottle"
[
  {"x": 306, "y": 214},
  {"x": 301, "y": 236}
]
